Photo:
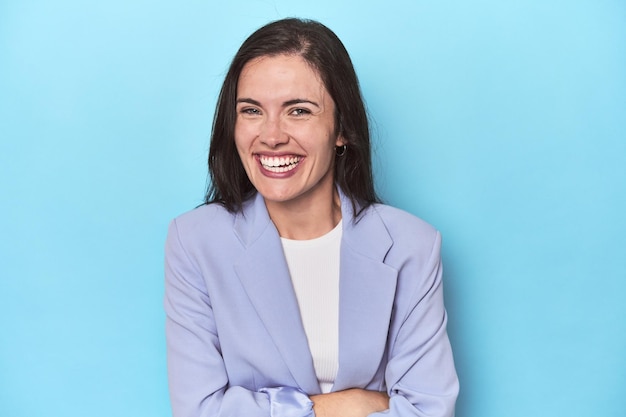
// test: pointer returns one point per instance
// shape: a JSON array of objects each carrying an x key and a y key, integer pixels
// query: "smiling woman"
[
  {"x": 286, "y": 138},
  {"x": 293, "y": 292}
]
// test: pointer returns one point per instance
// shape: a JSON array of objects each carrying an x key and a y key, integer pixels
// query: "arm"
[
  {"x": 420, "y": 374},
  {"x": 354, "y": 402},
  {"x": 198, "y": 380}
]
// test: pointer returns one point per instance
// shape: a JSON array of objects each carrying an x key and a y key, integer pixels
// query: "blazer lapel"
[
  {"x": 367, "y": 291},
  {"x": 264, "y": 275}
]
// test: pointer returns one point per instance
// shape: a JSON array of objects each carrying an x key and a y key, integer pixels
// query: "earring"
[{"x": 340, "y": 150}]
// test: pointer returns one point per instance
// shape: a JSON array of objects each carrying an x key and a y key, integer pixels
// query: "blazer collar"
[
  {"x": 264, "y": 274},
  {"x": 366, "y": 291}
]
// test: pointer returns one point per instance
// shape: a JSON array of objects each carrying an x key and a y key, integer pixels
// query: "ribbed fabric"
[{"x": 314, "y": 268}]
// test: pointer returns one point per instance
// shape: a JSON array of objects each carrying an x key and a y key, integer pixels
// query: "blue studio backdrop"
[{"x": 501, "y": 123}]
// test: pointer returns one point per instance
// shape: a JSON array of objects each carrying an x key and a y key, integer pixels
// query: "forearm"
[{"x": 349, "y": 403}]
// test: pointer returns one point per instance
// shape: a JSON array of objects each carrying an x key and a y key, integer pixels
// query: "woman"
[{"x": 292, "y": 292}]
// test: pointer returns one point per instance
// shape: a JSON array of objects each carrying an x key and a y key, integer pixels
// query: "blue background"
[{"x": 501, "y": 123}]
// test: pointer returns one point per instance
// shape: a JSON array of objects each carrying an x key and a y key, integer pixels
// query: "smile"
[{"x": 279, "y": 164}]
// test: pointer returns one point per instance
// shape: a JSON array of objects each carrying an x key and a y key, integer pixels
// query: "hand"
[{"x": 354, "y": 402}]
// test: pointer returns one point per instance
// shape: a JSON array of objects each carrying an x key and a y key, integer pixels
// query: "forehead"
[{"x": 280, "y": 74}]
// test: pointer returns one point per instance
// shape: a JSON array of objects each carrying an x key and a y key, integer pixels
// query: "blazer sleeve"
[
  {"x": 198, "y": 380},
  {"x": 420, "y": 373}
]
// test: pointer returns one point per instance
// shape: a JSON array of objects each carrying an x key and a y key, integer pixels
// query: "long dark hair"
[{"x": 321, "y": 48}]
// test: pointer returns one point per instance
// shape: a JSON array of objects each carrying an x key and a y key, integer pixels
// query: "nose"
[{"x": 272, "y": 133}]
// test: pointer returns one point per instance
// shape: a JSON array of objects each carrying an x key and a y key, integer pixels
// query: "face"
[{"x": 285, "y": 130}]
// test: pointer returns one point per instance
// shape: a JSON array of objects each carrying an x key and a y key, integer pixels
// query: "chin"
[{"x": 277, "y": 197}]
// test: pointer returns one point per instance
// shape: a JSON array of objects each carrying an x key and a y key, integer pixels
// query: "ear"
[{"x": 340, "y": 140}]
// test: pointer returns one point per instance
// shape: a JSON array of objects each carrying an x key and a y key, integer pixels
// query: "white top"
[{"x": 314, "y": 268}]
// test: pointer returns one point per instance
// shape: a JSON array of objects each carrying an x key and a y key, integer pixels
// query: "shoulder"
[
  {"x": 208, "y": 215},
  {"x": 401, "y": 223},
  {"x": 202, "y": 237},
  {"x": 201, "y": 225},
  {"x": 411, "y": 237}
]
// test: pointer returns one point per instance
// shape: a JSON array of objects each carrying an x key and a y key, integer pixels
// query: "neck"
[{"x": 303, "y": 220}]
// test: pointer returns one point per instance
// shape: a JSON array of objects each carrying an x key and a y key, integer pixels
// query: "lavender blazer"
[{"x": 233, "y": 325}]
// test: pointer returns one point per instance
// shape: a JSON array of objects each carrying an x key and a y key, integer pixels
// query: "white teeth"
[{"x": 279, "y": 164}]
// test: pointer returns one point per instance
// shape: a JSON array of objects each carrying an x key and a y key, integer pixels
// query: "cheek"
[
  {"x": 242, "y": 137},
  {"x": 244, "y": 134}
]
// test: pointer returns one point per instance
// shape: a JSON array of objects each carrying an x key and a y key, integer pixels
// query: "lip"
[{"x": 279, "y": 167}]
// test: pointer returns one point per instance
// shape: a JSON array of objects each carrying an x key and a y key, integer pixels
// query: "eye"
[
  {"x": 250, "y": 111},
  {"x": 300, "y": 112}
]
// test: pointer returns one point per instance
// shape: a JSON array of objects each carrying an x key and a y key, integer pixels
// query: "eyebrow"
[
  {"x": 285, "y": 104},
  {"x": 299, "y": 101}
]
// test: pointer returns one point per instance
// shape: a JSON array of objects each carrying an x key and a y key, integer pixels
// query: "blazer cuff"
[{"x": 289, "y": 402}]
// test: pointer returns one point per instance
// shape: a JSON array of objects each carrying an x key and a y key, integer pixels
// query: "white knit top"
[{"x": 314, "y": 268}]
